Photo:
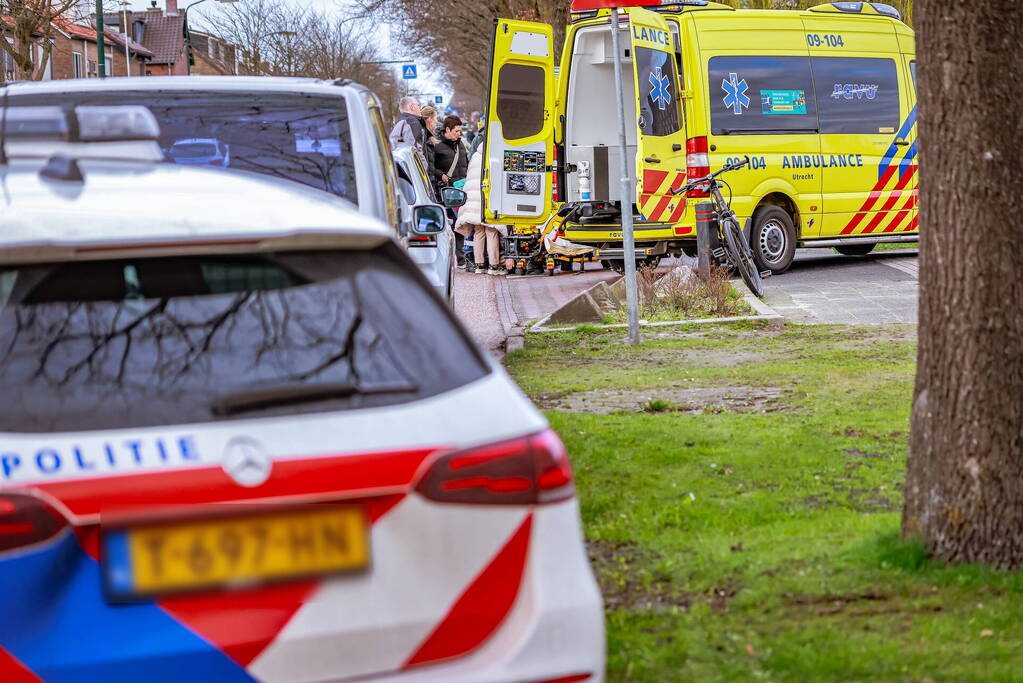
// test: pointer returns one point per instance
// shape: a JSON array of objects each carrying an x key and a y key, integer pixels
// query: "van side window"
[
  {"x": 520, "y": 100},
  {"x": 659, "y": 102},
  {"x": 857, "y": 95},
  {"x": 912, "y": 70},
  {"x": 761, "y": 94}
]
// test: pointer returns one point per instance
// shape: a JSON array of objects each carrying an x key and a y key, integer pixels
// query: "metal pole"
[
  {"x": 101, "y": 47},
  {"x": 628, "y": 239},
  {"x": 127, "y": 50}
]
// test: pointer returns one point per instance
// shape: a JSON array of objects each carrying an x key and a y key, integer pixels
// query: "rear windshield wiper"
[{"x": 286, "y": 394}]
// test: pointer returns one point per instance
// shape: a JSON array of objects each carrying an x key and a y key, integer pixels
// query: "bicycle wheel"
[{"x": 742, "y": 258}]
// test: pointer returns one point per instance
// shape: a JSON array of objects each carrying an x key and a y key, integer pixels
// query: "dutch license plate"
[{"x": 164, "y": 558}]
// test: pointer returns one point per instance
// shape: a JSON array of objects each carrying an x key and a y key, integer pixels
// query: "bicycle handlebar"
[{"x": 693, "y": 184}]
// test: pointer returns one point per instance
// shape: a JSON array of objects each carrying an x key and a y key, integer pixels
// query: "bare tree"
[
  {"x": 282, "y": 39},
  {"x": 26, "y": 29},
  {"x": 964, "y": 488}
]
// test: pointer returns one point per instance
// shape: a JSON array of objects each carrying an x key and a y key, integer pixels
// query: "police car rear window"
[
  {"x": 301, "y": 138},
  {"x": 139, "y": 342}
]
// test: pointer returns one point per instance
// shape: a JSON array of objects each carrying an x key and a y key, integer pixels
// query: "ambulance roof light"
[
  {"x": 858, "y": 7},
  {"x": 886, "y": 10}
]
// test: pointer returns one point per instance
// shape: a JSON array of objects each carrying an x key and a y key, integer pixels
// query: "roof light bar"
[
  {"x": 117, "y": 133},
  {"x": 886, "y": 10}
]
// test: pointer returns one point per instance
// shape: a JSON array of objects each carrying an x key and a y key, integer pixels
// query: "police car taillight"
[
  {"x": 525, "y": 471},
  {"x": 25, "y": 520},
  {"x": 697, "y": 163}
]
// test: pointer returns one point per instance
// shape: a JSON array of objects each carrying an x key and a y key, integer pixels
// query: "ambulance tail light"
[
  {"x": 697, "y": 163},
  {"x": 529, "y": 470},
  {"x": 26, "y": 520}
]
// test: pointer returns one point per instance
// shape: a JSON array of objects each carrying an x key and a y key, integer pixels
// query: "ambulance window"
[
  {"x": 520, "y": 100},
  {"x": 762, "y": 95},
  {"x": 659, "y": 98},
  {"x": 857, "y": 95},
  {"x": 912, "y": 70}
]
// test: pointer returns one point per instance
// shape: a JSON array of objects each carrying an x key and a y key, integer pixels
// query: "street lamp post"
[
  {"x": 127, "y": 51},
  {"x": 188, "y": 34},
  {"x": 289, "y": 35}
]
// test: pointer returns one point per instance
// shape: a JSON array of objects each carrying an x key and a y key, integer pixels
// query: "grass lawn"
[{"x": 741, "y": 495}]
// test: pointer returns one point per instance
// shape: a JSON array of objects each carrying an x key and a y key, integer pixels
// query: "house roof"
[
  {"x": 111, "y": 33},
  {"x": 75, "y": 30},
  {"x": 165, "y": 36}
]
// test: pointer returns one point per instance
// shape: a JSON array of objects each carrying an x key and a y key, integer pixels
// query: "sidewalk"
[{"x": 490, "y": 307}]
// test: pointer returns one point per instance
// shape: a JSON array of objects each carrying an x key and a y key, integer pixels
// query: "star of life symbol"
[
  {"x": 246, "y": 462},
  {"x": 735, "y": 93},
  {"x": 659, "y": 92}
]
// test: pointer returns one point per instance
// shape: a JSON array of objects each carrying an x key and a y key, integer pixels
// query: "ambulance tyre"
[
  {"x": 773, "y": 239},
  {"x": 566, "y": 266},
  {"x": 855, "y": 249},
  {"x": 650, "y": 262}
]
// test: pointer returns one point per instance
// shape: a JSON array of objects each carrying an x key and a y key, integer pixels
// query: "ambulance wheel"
[
  {"x": 650, "y": 262},
  {"x": 605, "y": 264},
  {"x": 855, "y": 249},
  {"x": 617, "y": 265},
  {"x": 566, "y": 266},
  {"x": 773, "y": 239},
  {"x": 690, "y": 250}
]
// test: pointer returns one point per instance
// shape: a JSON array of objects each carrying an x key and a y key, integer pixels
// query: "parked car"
[
  {"x": 433, "y": 253},
  {"x": 234, "y": 441},
  {"x": 200, "y": 152},
  {"x": 328, "y": 135}
]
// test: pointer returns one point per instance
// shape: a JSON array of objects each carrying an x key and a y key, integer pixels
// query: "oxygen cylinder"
[{"x": 584, "y": 180}]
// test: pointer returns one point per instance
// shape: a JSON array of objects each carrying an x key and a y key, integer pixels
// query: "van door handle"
[
  {"x": 902, "y": 143},
  {"x": 676, "y": 147},
  {"x": 652, "y": 160}
]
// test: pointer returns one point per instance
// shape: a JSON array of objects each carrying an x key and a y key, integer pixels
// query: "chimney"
[{"x": 172, "y": 8}]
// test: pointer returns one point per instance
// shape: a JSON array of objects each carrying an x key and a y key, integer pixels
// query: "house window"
[
  {"x": 76, "y": 63},
  {"x": 110, "y": 63}
]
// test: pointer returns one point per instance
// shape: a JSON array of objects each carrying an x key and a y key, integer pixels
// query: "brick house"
[
  {"x": 162, "y": 33},
  {"x": 213, "y": 56},
  {"x": 75, "y": 52}
]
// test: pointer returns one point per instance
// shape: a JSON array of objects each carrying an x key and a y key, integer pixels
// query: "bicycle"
[{"x": 736, "y": 252}]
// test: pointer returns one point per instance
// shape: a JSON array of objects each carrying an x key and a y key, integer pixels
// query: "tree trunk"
[{"x": 964, "y": 488}]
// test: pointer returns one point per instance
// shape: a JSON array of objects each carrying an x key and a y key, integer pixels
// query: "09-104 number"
[{"x": 827, "y": 40}]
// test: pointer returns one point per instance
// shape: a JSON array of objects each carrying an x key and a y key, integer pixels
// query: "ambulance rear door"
[
  {"x": 520, "y": 124},
  {"x": 660, "y": 154}
]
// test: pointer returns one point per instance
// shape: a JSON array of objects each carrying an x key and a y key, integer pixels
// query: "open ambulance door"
[
  {"x": 517, "y": 165},
  {"x": 660, "y": 151}
]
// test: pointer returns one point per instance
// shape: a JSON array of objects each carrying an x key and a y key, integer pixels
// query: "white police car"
[{"x": 241, "y": 439}]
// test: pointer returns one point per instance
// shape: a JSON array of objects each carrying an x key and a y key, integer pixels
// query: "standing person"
[
  {"x": 486, "y": 244},
  {"x": 429, "y": 117},
  {"x": 452, "y": 159},
  {"x": 409, "y": 129}
]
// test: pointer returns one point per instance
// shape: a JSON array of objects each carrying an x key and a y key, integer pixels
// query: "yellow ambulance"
[{"x": 823, "y": 101}]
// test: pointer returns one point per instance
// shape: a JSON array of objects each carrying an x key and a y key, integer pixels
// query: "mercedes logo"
[{"x": 246, "y": 461}]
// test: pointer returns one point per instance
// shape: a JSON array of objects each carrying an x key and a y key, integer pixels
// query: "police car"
[{"x": 235, "y": 441}]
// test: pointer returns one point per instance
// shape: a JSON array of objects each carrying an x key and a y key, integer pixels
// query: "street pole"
[
  {"x": 101, "y": 58},
  {"x": 127, "y": 50},
  {"x": 628, "y": 238}
]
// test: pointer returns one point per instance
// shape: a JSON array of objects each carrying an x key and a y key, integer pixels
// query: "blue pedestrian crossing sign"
[
  {"x": 437, "y": 99},
  {"x": 408, "y": 71}
]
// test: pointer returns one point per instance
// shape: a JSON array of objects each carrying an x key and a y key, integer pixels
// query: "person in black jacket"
[
  {"x": 451, "y": 160},
  {"x": 409, "y": 129}
]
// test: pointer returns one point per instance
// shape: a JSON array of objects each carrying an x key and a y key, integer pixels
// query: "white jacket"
[{"x": 471, "y": 213}]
